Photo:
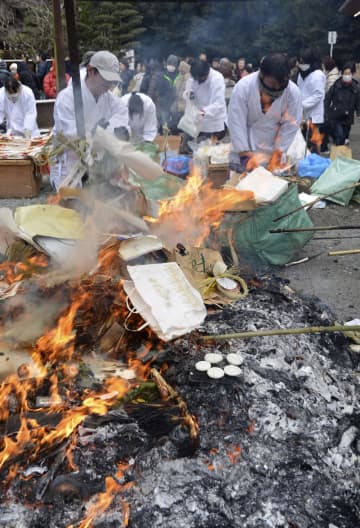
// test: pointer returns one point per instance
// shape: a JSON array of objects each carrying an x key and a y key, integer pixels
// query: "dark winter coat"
[
  {"x": 341, "y": 101},
  {"x": 28, "y": 78},
  {"x": 4, "y": 73},
  {"x": 162, "y": 90},
  {"x": 125, "y": 77}
]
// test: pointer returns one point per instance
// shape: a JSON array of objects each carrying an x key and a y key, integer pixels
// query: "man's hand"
[
  {"x": 103, "y": 123},
  {"x": 243, "y": 164}
]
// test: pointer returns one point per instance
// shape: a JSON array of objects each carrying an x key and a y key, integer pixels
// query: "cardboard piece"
[
  {"x": 19, "y": 178},
  {"x": 207, "y": 272},
  {"x": 266, "y": 187},
  {"x": 340, "y": 150}
]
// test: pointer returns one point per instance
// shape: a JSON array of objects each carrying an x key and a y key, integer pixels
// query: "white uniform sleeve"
[
  {"x": 237, "y": 119},
  {"x": 2, "y": 104},
  {"x": 217, "y": 98},
  {"x": 30, "y": 117},
  {"x": 119, "y": 114},
  {"x": 189, "y": 87},
  {"x": 150, "y": 124},
  {"x": 316, "y": 89},
  {"x": 64, "y": 115},
  {"x": 291, "y": 120}
]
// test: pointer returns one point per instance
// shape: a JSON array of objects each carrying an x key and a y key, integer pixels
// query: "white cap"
[
  {"x": 13, "y": 66},
  {"x": 107, "y": 64}
]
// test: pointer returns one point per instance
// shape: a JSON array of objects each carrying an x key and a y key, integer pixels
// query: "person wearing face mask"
[
  {"x": 311, "y": 82},
  {"x": 125, "y": 75},
  {"x": 100, "y": 107},
  {"x": 18, "y": 108},
  {"x": 206, "y": 88},
  {"x": 162, "y": 90},
  {"x": 264, "y": 112},
  {"x": 341, "y": 102}
]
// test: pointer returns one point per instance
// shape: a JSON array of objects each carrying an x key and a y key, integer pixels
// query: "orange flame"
[
  {"x": 58, "y": 343},
  {"x": 104, "y": 500},
  {"x": 190, "y": 215},
  {"x": 54, "y": 199},
  {"x": 315, "y": 136},
  {"x": 16, "y": 271}
]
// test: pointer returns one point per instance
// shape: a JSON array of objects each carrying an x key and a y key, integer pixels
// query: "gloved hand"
[
  {"x": 27, "y": 133},
  {"x": 103, "y": 123},
  {"x": 240, "y": 165},
  {"x": 122, "y": 133},
  {"x": 200, "y": 116}
]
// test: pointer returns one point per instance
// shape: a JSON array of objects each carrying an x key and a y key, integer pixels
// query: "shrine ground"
[{"x": 334, "y": 280}]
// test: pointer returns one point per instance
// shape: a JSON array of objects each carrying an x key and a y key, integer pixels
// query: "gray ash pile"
[{"x": 277, "y": 446}]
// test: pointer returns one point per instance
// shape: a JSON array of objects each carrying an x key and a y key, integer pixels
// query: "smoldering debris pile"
[{"x": 278, "y": 445}]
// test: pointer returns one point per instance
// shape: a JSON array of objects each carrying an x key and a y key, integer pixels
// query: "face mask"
[
  {"x": 170, "y": 68},
  {"x": 347, "y": 78},
  {"x": 304, "y": 67},
  {"x": 274, "y": 94},
  {"x": 13, "y": 97}
]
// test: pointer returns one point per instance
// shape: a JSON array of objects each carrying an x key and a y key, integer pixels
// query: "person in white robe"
[
  {"x": 18, "y": 108},
  {"x": 100, "y": 107},
  {"x": 311, "y": 82},
  {"x": 264, "y": 112},
  {"x": 142, "y": 116},
  {"x": 206, "y": 89}
]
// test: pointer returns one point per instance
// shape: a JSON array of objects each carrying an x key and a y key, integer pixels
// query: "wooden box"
[
  {"x": 217, "y": 173},
  {"x": 45, "y": 113},
  {"x": 19, "y": 178},
  {"x": 173, "y": 143}
]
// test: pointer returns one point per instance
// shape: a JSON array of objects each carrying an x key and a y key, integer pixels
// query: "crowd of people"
[{"x": 261, "y": 109}]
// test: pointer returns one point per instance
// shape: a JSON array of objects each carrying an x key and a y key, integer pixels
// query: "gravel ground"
[{"x": 335, "y": 280}]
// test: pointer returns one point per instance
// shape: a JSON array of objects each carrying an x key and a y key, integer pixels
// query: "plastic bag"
[
  {"x": 190, "y": 122},
  {"x": 342, "y": 172},
  {"x": 297, "y": 149},
  {"x": 313, "y": 166},
  {"x": 177, "y": 165},
  {"x": 253, "y": 240}
]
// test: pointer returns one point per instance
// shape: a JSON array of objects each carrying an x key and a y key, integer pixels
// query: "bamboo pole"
[
  {"x": 309, "y": 205},
  {"x": 344, "y": 252},
  {"x": 335, "y": 238},
  {"x": 69, "y": 6},
  {"x": 284, "y": 331},
  {"x": 318, "y": 228}
]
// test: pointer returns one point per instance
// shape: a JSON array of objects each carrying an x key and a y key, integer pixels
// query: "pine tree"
[{"x": 114, "y": 26}]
